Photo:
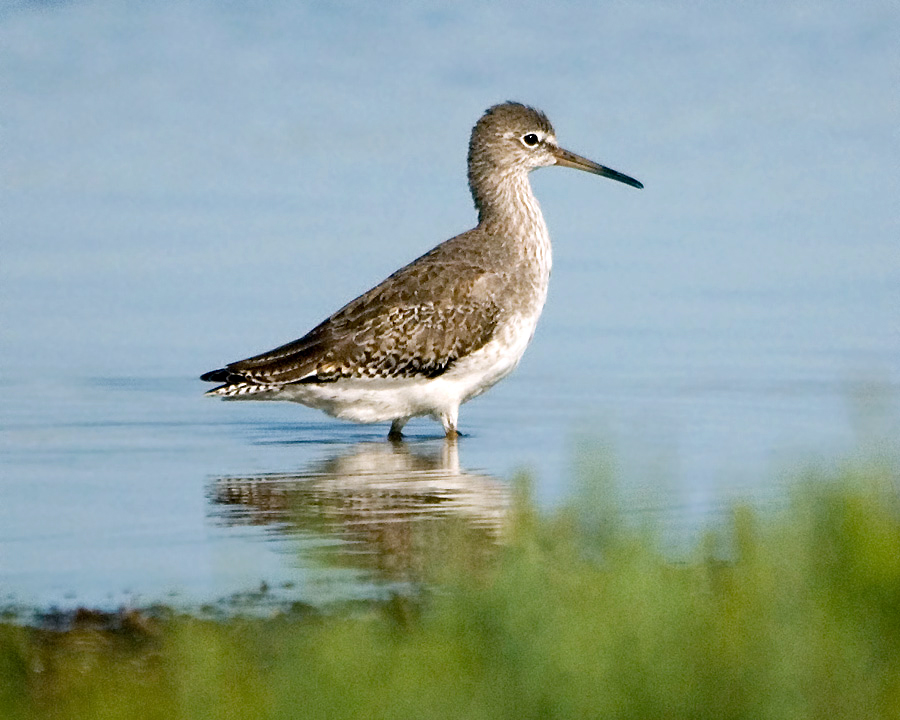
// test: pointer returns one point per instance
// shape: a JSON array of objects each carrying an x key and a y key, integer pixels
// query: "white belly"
[{"x": 373, "y": 400}]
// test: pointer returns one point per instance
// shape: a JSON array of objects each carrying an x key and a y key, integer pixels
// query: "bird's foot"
[{"x": 395, "y": 434}]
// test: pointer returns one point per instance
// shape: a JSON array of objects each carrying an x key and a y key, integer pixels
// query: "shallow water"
[{"x": 188, "y": 186}]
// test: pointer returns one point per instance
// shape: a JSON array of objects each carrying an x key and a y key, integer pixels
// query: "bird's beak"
[{"x": 570, "y": 159}]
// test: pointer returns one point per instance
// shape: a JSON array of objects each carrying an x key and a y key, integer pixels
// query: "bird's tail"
[{"x": 234, "y": 385}]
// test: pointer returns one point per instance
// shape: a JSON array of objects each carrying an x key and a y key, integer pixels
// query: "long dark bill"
[{"x": 570, "y": 159}]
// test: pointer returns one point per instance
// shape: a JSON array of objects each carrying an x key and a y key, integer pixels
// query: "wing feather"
[{"x": 417, "y": 322}]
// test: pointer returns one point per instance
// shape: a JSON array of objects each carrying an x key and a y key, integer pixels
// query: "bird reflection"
[{"x": 397, "y": 509}]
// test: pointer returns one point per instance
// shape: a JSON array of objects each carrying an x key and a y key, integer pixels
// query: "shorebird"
[{"x": 449, "y": 325}]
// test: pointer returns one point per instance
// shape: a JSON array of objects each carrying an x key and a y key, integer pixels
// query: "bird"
[{"x": 449, "y": 325}]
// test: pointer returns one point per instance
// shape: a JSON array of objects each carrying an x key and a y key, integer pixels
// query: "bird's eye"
[{"x": 530, "y": 139}]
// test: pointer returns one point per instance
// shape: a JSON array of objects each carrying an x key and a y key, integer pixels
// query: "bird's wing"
[{"x": 414, "y": 324}]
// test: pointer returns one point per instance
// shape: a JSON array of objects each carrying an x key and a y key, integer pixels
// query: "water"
[{"x": 187, "y": 185}]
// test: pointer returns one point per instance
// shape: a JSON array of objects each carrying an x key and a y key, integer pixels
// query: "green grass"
[{"x": 795, "y": 614}]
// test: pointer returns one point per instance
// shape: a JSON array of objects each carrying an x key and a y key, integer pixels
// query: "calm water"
[{"x": 185, "y": 186}]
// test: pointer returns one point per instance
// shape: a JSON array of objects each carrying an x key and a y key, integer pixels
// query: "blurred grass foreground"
[{"x": 789, "y": 614}]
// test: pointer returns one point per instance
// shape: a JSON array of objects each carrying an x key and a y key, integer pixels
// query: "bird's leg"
[
  {"x": 395, "y": 434},
  {"x": 448, "y": 419}
]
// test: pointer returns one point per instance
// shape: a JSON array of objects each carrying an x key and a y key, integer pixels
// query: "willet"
[{"x": 449, "y": 325}]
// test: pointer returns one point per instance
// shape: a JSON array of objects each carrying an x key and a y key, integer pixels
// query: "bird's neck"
[
  {"x": 505, "y": 201},
  {"x": 509, "y": 211}
]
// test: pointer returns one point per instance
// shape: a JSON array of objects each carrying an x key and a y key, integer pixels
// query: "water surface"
[{"x": 188, "y": 185}]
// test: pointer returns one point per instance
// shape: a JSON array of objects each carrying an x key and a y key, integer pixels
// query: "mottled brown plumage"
[
  {"x": 417, "y": 322},
  {"x": 461, "y": 314}
]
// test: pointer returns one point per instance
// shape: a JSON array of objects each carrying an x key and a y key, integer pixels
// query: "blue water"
[{"x": 186, "y": 185}]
